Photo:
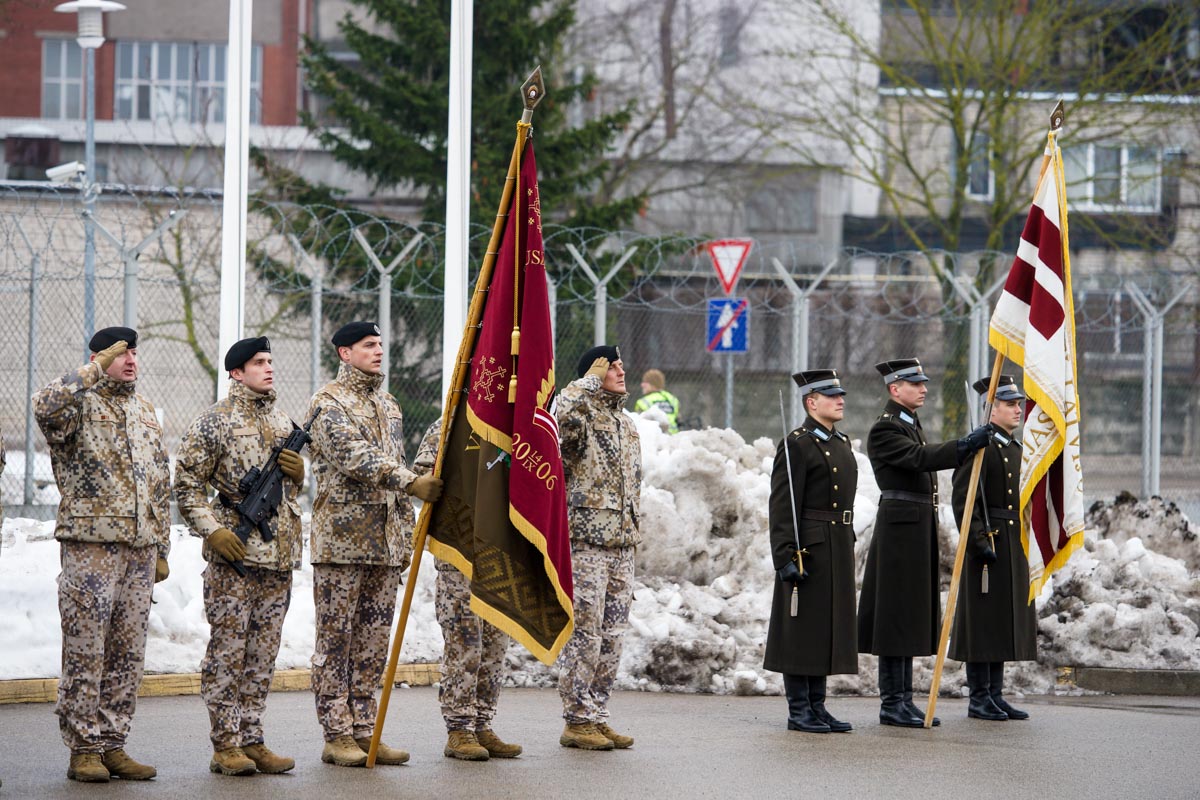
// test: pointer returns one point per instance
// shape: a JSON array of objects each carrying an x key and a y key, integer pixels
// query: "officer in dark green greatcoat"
[
  {"x": 899, "y": 609},
  {"x": 994, "y": 622},
  {"x": 812, "y": 626}
]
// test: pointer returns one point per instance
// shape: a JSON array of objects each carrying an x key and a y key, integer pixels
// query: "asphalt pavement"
[{"x": 687, "y": 746}]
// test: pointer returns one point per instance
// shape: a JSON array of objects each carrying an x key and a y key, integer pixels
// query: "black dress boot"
[
  {"x": 816, "y": 699},
  {"x": 981, "y": 705},
  {"x": 800, "y": 712},
  {"x": 891, "y": 694},
  {"x": 996, "y": 669},
  {"x": 908, "y": 695}
]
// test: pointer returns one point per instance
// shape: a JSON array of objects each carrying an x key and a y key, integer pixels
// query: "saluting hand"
[
  {"x": 599, "y": 368},
  {"x": 108, "y": 355},
  {"x": 292, "y": 465}
]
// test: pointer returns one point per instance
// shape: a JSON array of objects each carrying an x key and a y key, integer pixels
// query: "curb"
[
  {"x": 1167, "y": 682},
  {"x": 45, "y": 690}
]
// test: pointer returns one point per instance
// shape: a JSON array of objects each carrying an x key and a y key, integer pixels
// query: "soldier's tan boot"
[
  {"x": 344, "y": 752},
  {"x": 120, "y": 765},
  {"x": 584, "y": 736},
  {"x": 464, "y": 746},
  {"x": 266, "y": 760},
  {"x": 88, "y": 768},
  {"x": 620, "y": 741},
  {"x": 384, "y": 755},
  {"x": 497, "y": 747},
  {"x": 231, "y": 761}
]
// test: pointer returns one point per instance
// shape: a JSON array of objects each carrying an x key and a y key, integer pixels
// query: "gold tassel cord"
[{"x": 516, "y": 220}]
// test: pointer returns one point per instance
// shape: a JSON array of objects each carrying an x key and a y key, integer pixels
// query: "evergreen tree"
[{"x": 386, "y": 116}]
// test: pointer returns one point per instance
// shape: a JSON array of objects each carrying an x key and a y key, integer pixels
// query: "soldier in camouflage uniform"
[
  {"x": 602, "y": 460},
  {"x": 113, "y": 527},
  {"x": 473, "y": 655},
  {"x": 244, "y": 613},
  {"x": 361, "y": 526}
]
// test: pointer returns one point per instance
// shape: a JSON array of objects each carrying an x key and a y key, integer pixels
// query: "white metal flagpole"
[
  {"x": 237, "y": 168},
  {"x": 458, "y": 185}
]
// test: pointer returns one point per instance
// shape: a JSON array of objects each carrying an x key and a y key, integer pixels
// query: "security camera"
[{"x": 66, "y": 172}]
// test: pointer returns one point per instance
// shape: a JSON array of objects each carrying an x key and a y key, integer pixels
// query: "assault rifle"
[{"x": 262, "y": 491}]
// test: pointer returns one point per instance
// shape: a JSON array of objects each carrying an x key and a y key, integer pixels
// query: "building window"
[
  {"x": 981, "y": 183},
  {"x": 1113, "y": 177},
  {"x": 179, "y": 81},
  {"x": 62, "y": 79}
]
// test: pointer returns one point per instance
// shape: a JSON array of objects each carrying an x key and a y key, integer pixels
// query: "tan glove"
[
  {"x": 226, "y": 544},
  {"x": 161, "y": 570},
  {"x": 108, "y": 355},
  {"x": 426, "y": 487},
  {"x": 292, "y": 465},
  {"x": 599, "y": 368}
]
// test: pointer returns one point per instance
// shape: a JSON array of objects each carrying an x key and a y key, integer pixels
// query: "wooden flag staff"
[
  {"x": 1056, "y": 121},
  {"x": 532, "y": 92}
]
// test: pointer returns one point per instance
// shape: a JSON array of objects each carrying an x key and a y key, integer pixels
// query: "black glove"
[
  {"x": 789, "y": 573},
  {"x": 975, "y": 440}
]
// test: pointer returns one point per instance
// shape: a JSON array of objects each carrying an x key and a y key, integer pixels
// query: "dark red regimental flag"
[{"x": 521, "y": 570}]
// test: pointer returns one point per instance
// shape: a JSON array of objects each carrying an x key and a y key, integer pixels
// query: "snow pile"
[
  {"x": 1129, "y": 598},
  {"x": 1119, "y": 603}
]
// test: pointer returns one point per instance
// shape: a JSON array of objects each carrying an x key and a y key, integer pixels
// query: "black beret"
[
  {"x": 354, "y": 332},
  {"x": 609, "y": 351},
  {"x": 107, "y": 337},
  {"x": 246, "y": 349},
  {"x": 1006, "y": 389}
]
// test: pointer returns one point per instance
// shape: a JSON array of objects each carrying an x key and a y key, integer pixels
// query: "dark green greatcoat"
[
  {"x": 999, "y": 625},
  {"x": 820, "y": 640},
  {"x": 900, "y": 606}
]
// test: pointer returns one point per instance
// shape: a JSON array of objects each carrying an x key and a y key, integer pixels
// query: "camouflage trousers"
[
  {"x": 355, "y": 604},
  {"x": 104, "y": 603},
  {"x": 472, "y": 660},
  {"x": 246, "y": 618},
  {"x": 588, "y": 664}
]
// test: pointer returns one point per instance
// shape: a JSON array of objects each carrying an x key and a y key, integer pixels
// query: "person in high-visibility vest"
[{"x": 655, "y": 395}]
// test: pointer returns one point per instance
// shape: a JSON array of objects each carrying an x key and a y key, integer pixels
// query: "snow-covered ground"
[{"x": 1131, "y": 598}]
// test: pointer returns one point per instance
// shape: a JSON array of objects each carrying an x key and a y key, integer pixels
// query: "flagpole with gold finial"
[
  {"x": 532, "y": 92},
  {"x": 1056, "y": 122}
]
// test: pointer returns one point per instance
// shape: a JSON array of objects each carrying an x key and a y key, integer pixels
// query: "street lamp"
[{"x": 90, "y": 36}]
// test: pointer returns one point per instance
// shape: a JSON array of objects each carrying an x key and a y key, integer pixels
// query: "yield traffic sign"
[{"x": 728, "y": 257}]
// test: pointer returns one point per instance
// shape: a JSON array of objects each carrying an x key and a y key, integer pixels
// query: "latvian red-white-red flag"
[{"x": 1034, "y": 326}]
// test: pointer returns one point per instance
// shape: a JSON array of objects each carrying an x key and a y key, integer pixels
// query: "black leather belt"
[
  {"x": 1003, "y": 513},
  {"x": 844, "y": 517},
  {"x": 909, "y": 497}
]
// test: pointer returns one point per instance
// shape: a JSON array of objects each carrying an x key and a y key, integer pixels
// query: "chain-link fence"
[{"x": 312, "y": 269}]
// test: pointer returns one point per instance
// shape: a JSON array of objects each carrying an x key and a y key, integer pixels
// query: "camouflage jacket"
[
  {"x": 602, "y": 459},
  {"x": 362, "y": 514},
  {"x": 220, "y": 447},
  {"x": 424, "y": 462},
  {"x": 106, "y": 447}
]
